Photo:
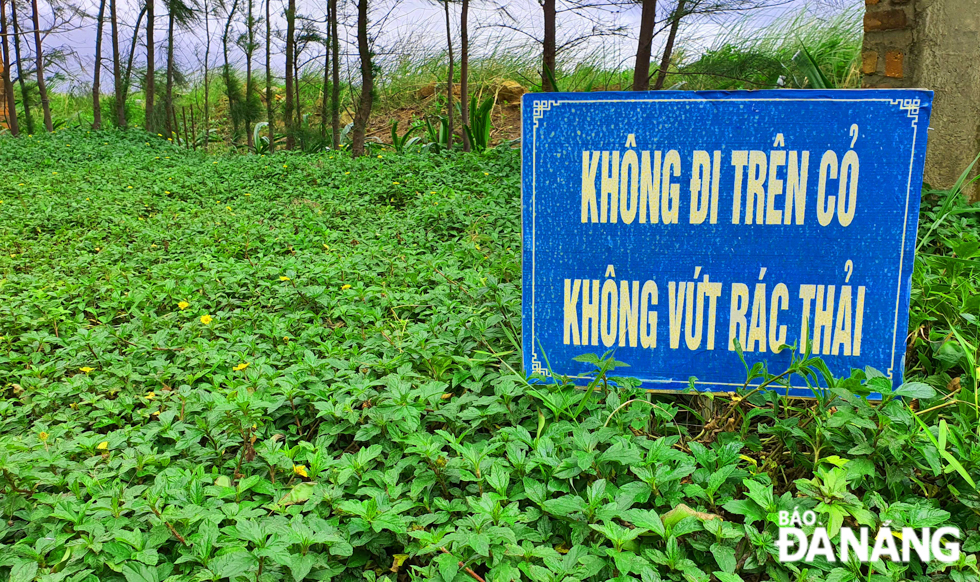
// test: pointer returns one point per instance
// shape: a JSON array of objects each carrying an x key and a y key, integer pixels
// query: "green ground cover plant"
[{"x": 304, "y": 367}]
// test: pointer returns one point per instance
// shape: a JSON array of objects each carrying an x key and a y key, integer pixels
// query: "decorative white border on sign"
[
  {"x": 910, "y": 106},
  {"x": 540, "y": 107}
]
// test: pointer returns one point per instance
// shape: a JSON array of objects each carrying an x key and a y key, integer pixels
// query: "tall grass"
[{"x": 752, "y": 57}]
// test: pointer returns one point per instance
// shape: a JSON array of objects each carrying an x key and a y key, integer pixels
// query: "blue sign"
[{"x": 672, "y": 227}]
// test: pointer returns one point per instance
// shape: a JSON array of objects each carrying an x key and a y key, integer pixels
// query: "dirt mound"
[{"x": 509, "y": 91}]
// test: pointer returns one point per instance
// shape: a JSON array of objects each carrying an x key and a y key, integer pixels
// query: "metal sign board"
[{"x": 667, "y": 226}]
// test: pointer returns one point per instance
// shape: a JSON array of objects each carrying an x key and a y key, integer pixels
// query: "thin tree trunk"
[
  {"x": 207, "y": 80},
  {"x": 367, "y": 80},
  {"x": 249, "y": 53},
  {"x": 268, "y": 78},
  {"x": 464, "y": 72},
  {"x": 669, "y": 47},
  {"x": 24, "y": 95},
  {"x": 41, "y": 88},
  {"x": 297, "y": 103},
  {"x": 641, "y": 69},
  {"x": 324, "y": 103},
  {"x": 117, "y": 80},
  {"x": 97, "y": 75},
  {"x": 127, "y": 78},
  {"x": 169, "y": 98},
  {"x": 8, "y": 87},
  {"x": 449, "y": 81},
  {"x": 335, "y": 95},
  {"x": 290, "y": 48},
  {"x": 150, "y": 65},
  {"x": 176, "y": 131},
  {"x": 227, "y": 71},
  {"x": 548, "y": 57},
  {"x": 183, "y": 115}
]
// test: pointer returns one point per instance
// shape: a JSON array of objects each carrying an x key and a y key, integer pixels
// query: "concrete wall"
[{"x": 932, "y": 44}]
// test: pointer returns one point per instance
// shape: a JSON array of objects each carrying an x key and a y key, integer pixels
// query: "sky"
[{"x": 411, "y": 29}]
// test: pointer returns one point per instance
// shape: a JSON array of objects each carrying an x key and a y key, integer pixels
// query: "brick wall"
[{"x": 888, "y": 39}]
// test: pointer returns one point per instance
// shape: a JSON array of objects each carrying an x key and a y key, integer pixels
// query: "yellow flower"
[
  {"x": 300, "y": 470},
  {"x": 183, "y": 304},
  {"x": 285, "y": 338},
  {"x": 98, "y": 249},
  {"x": 130, "y": 187},
  {"x": 228, "y": 207},
  {"x": 477, "y": 247},
  {"x": 150, "y": 395},
  {"x": 86, "y": 369},
  {"x": 247, "y": 194},
  {"x": 346, "y": 173},
  {"x": 159, "y": 135},
  {"x": 206, "y": 319},
  {"x": 345, "y": 287},
  {"x": 396, "y": 183},
  {"x": 379, "y": 156},
  {"x": 241, "y": 366},
  {"x": 486, "y": 173},
  {"x": 283, "y": 278},
  {"x": 54, "y": 172},
  {"x": 43, "y": 435},
  {"x": 285, "y": 166},
  {"x": 166, "y": 191},
  {"x": 104, "y": 445}
]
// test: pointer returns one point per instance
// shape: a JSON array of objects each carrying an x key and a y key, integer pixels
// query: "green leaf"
[
  {"x": 565, "y": 505},
  {"x": 480, "y": 543},
  {"x": 25, "y": 570},
  {"x": 646, "y": 519},
  {"x": 138, "y": 572},
  {"x": 916, "y": 390},
  {"x": 719, "y": 477},
  {"x": 232, "y": 564},
  {"x": 747, "y": 508},
  {"x": 300, "y": 565},
  {"x": 448, "y": 566},
  {"x": 725, "y": 557}
]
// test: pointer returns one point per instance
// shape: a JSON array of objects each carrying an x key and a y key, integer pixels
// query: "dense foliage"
[{"x": 303, "y": 368}]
